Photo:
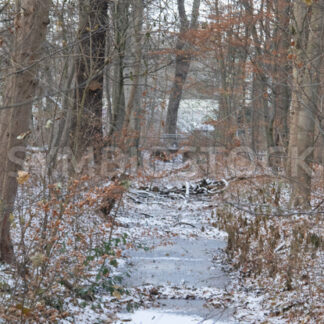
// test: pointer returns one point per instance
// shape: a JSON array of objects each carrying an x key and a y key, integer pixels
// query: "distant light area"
[{"x": 193, "y": 113}]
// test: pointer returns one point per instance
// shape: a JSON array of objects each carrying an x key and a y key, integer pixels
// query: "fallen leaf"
[
  {"x": 26, "y": 311},
  {"x": 23, "y": 135},
  {"x": 154, "y": 291},
  {"x": 22, "y": 177},
  {"x": 117, "y": 294}
]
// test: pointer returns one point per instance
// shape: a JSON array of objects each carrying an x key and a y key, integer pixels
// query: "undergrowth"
[
  {"x": 275, "y": 248},
  {"x": 66, "y": 249}
]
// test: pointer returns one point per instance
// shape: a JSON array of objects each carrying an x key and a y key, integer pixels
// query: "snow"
[
  {"x": 165, "y": 317},
  {"x": 175, "y": 254},
  {"x": 193, "y": 113}
]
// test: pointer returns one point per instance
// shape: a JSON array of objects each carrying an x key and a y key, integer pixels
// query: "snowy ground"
[
  {"x": 168, "y": 246},
  {"x": 172, "y": 222},
  {"x": 179, "y": 269}
]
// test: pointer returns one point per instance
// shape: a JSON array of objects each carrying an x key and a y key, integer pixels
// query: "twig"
[
  {"x": 147, "y": 215},
  {"x": 114, "y": 219},
  {"x": 273, "y": 215},
  {"x": 184, "y": 223}
]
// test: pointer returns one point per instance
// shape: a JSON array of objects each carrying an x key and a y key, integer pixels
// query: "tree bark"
[
  {"x": 183, "y": 59},
  {"x": 138, "y": 11},
  {"x": 21, "y": 84},
  {"x": 121, "y": 24},
  {"x": 309, "y": 36},
  {"x": 259, "y": 120},
  {"x": 88, "y": 119},
  {"x": 60, "y": 133},
  {"x": 281, "y": 75},
  {"x": 231, "y": 60},
  {"x": 132, "y": 124}
]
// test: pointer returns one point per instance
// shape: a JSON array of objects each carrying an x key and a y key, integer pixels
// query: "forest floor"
[
  {"x": 180, "y": 272},
  {"x": 186, "y": 276},
  {"x": 177, "y": 248}
]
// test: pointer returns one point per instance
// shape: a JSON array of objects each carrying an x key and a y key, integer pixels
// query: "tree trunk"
[
  {"x": 121, "y": 22},
  {"x": 182, "y": 65},
  {"x": 181, "y": 73},
  {"x": 309, "y": 37},
  {"x": 138, "y": 11},
  {"x": 260, "y": 125},
  {"x": 281, "y": 74},
  {"x": 259, "y": 120},
  {"x": 319, "y": 127},
  {"x": 15, "y": 115},
  {"x": 230, "y": 80},
  {"x": 60, "y": 133},
  {"x": 88, "y": 119},
  {"x": 132, "y": 122}
]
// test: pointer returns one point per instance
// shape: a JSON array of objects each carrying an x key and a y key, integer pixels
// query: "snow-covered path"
[
  {"x": 184, "y": 262},
  {"x": 185, "y": 268},
  {"x": 180, "y": 269}
]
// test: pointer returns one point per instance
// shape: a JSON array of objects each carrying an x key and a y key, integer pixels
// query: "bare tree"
[
  {"x": 182, "y": 64},
  {"x": 132, "y": 125},
  {"x": 87, "y": 126},
  {"x": 121, "y": 24},
  {"x": 30, "y": 31},
  {"x": 137, "y": 26},
  {"x": 281, "y": 71},
  {"x": 259, "y": 85},
  {"x": 308, "y": 27}
]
